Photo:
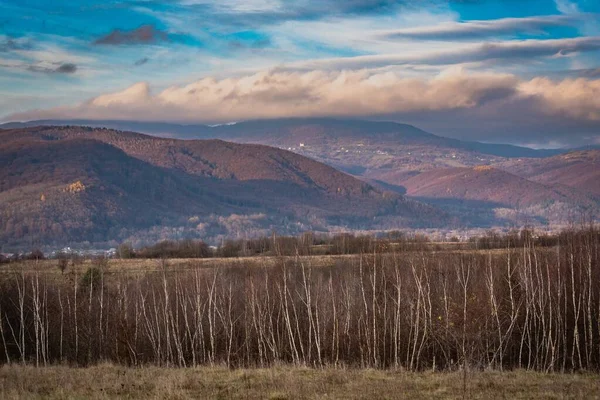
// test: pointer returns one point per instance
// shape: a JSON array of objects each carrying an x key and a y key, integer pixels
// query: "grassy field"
[
  {"x": 108, "y": 381},
  {"x": 145, "y": 265}
]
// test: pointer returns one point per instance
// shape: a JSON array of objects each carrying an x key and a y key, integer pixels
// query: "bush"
[
  {"x": 125, "y": 251},
  {"x": 92, "y": 277},
  {"x": 36, "y": 254},
  {"x": 173, "y": 249},
  {"x": 63, "y": 262}
]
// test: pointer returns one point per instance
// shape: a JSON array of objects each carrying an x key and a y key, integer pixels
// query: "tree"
[{"x": 125, "y": 250}]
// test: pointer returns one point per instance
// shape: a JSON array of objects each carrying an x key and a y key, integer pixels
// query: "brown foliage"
[{"x": 529, "y": 307}]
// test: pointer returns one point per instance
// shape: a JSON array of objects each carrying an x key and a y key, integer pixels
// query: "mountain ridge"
[
  {"x": 62, "y": 184},
  {"x": 253, "y": 129}
]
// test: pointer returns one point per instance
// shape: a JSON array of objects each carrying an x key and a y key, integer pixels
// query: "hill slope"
[
  {"x": 65, "y": 184},
  {"x": 502, "y": 195},
  {"x": 292, "y": 131},
  {"x": 384, "y": 153},
  {"x": 579, "y": 170}
]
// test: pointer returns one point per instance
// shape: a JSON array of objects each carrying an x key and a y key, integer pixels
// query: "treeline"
[
  {"x": 518, "y": 238},
  {"x": 339, "y": 244},
  {"x": 167, "y": 249},
  {"x": 312, "y": 244},
  {"x": 530, "y": 307},
  {"x": 306, "y": 244},
  {"x": 33, "y": 255}
]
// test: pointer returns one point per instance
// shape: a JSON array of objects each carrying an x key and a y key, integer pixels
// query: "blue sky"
[{"x": 518, "y": 71}]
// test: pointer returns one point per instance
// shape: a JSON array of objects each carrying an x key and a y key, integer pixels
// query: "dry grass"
[
  {"x": 108, "y": 381},
  {"x": 144, "y": 265}
]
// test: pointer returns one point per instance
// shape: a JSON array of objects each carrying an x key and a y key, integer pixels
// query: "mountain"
[
  {"x": 320, "y": 131},
  {"x": 60, "y": 185},
  {"x": 579, "y": 170},
  {"x": 488, "y": 194},
  {"x": 292, "y": 131},
  {"x": 359, "y": 147},
  {"x": 162, "y": 129},
  {"x": 482, "y": 183},
  {"x": 548, "y": 186}
]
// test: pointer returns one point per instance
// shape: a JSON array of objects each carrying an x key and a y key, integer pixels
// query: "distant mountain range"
[
  {"x": 65, "y": 185},
  {"x": 289, "y": 131},
  {"x": 408, "y": 178}
]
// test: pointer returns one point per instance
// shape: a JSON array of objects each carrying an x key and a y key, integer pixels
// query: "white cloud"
[
  {"x": 135, "y": 95},
  {"x": 54, "y": 54},
  {"x": 455, "y": 102},
  {"x": 274, "y": 94},
  {"x": 360, "y": 33},
  {"x": 238, "y": 6},
  {"x": 467, "y": 53},
  {"x": 576, "y": 98},
  {"x": 566, "y": 6},
  {"x": 449, "y": 31}
]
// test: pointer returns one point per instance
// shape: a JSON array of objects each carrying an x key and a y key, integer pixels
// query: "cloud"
[
  {"x": 254, "y": 44},
  {"x": 274, "y": 94},
  {"x": 145, "y": 34},
  {"x": 66, "y": 68},
  {"x": 509, "y": 50},
  {"x": 10, "y": 44},
  {"x": 566, "y": 6},
  {"x": 137, "y": 95},
  {"x": 592, "y": 73},
  {"x": 522, "y": 119},
  {"x": 450, "y": 31},
  {"x": 141, "y": 61},
  {"x": 247, "y": 12},
  {"x": 575, "y": 98},
  {"x": 456, "y": 102}
]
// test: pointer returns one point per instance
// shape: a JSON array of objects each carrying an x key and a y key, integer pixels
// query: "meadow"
[{"x": 283, "y": 382}]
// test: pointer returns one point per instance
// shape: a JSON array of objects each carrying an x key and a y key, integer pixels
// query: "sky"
[{"x": 512, "y": 71}]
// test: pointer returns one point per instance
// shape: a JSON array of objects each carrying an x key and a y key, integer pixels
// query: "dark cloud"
[
  {"x": 66, "y": 68},
  {"x": 10, "y": 44},
  {"x": 145, "y": 34},
  {"x": 256, "y": 44},
  {"x": 591, "y": 73},
  {"x": 141, "y": 61},
  {"x": 483, "y": 29},
  {"x": 520, "y": 121}
]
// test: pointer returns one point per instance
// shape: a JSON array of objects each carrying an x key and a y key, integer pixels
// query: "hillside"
[
  {"x": 480, "y": 183},
  {"x": 320, "y": 136},
  {"x": 218, "y": 159},
  {"x": 498, "y": 193},
  {"x": 548, "y": 186},
  {"x": 579, "y": 170},
  {"x": 60, "y": 184}
]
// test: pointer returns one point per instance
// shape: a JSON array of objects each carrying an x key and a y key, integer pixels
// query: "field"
[
  {"x": 516, "y": 321},
  {"x": 108, "y": 381}
]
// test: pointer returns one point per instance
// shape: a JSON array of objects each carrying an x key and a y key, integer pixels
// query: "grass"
[
  {"x": 145, "y": 265},
  {"x": 108, "y": 381}
]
